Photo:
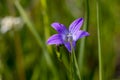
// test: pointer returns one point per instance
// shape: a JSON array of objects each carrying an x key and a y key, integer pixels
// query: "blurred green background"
[{"x": 24, "y": 54}]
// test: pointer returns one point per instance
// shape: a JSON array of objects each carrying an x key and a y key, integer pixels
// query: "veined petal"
[
  {"x": 55, "y": 39},
  {"x": 76, "y": 25},
  {"x": 60, "y": 28},
  {"x": 68, "y": 46},
  {"x": 80, "y": 34}
]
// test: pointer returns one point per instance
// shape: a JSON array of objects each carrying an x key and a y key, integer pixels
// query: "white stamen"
[{"x": 69, "y": 37}]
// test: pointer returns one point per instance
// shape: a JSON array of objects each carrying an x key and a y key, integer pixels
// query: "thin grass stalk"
[
  {"x": 74, "y": 62},
  {"x": 45, "y": 18},
  {"x": 35, "y": 34},
  {"x": 71, "y": 67},
  {"x": 1, "y": 66},
  {"x": 19, "y": 56},
  {"x": 45, "y": 21},
  {"x": 18, "y": 47},
  {"x": 99, "y": 41},
  {"x": 46, "y": 29},
  {"x": 82, "y": 43},
  {"x": 29, "y": 23}
]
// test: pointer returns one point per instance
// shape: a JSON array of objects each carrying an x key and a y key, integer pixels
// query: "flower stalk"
[
  {"x": 99, "y": 42},
  {"x": 83, "y": 40},
  {"x": 71, "y": 67},
  {"x": 74, "y": 62}
]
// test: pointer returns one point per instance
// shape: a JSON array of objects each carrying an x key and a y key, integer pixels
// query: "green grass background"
[{"x": 24, "y": 54}]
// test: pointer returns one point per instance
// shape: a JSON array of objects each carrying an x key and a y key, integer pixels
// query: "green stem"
[
  {"x": 82, "y": 43},
  {"x": 71, "y": 67},
  {"x": 99, "y": 42},
  {"x": 75, "y": 62},
  {"x": 45, "y": 21},
  {"x": 45, "y": 18},
  {"x": 37, "y": 37},
  {"x": 46, "y": 29},
  {"x": 1, "y": 67},
  {"x": 19, "y": 56}
]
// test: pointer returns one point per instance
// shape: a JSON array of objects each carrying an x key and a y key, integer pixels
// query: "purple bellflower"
[{"x": 65, "y": 36}]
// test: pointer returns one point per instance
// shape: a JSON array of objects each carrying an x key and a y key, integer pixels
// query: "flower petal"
[
  {"x": 68, "y": 46},
  {"x": 55, "y": 39},
  {"x": 60, "y": 28},
  {"x": 76, "y": 25},
  {"x": 80, "y": 34}
]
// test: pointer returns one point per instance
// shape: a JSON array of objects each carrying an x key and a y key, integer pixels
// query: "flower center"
[{"x": 69, "y": 37}]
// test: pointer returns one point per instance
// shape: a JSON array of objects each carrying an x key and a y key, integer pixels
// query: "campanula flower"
[{"x": 66, "y": 36}]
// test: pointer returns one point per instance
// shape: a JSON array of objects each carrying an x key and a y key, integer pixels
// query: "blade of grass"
[
  {"x": 35, "y": 34},
  {"x": 18, "y": 48},
  {"x": 29, "y": 23},
  {"x": 74, "y": 63},
  {"x": 45, "y": 18},
  {"x": 46, "y": 29},
  {"x": 1, "y": 67},
  {"x": 82, "y": 43},
  {"x": 19, "y": 56},
  {"x": 99, "y": 42},
  {"x": 45, "y": 21}
]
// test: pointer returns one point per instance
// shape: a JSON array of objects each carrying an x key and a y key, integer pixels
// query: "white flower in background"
[{"x": 10, "y": 22}]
